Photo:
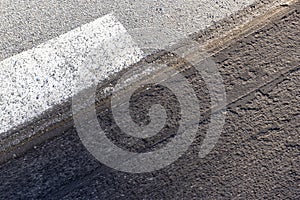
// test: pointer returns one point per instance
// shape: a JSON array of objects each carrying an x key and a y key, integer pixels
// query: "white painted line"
[{"x": 35, "y": 80}]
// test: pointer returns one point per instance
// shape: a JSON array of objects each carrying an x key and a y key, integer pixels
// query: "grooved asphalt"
[{"x": 257, "y": 156}]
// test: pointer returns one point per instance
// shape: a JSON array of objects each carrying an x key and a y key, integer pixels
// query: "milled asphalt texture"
[{"x": 257, "y": 156}]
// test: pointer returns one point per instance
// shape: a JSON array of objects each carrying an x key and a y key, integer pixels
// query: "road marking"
[{"x": 35, "y": 80}]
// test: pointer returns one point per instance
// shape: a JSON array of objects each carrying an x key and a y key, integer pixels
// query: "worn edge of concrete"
[{"x": 53, "y": 123}]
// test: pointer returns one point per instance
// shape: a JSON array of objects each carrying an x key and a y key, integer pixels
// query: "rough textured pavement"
[
  {"x": 41, "y": 84},
  {"x": 257, "y": 156}
]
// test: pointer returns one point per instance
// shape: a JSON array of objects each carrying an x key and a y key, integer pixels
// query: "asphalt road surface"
[
  {"x": 257, "y": 156},
  {"x": 36, "y": 77}
]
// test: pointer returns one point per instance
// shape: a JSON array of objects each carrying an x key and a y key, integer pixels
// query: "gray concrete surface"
[
  {"x": 257, "y": 156},
  {"x": 24, "y": 24}
]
